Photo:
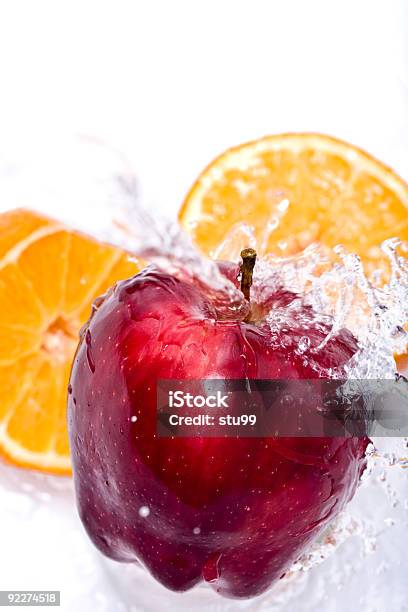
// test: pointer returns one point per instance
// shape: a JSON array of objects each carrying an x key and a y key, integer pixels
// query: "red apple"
[{"x": 233, "y": 512}]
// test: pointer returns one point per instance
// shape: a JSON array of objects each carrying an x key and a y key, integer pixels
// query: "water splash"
[
  {"x": 164, "y": 243},
  {"x": 102, "y": 183},
  {"x": 341, "y": 294},
  {"x": 333, "y": 282}
]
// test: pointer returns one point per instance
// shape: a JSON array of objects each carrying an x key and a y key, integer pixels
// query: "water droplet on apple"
[
  {"x": 144, "y": 511},
  {"x": 287, "y": 399},
  {"x": 304, "y": 344}
]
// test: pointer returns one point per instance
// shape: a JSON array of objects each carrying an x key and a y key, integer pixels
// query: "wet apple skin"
[{"x": 234, "y": 512}]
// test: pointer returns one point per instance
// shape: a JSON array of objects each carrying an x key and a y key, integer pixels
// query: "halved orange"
[
  {"x": 296, "y": 189},
  {"x": 49, "y": 277}
]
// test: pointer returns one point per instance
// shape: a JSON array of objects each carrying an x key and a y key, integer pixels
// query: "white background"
[{"x": 172, "y": 84}]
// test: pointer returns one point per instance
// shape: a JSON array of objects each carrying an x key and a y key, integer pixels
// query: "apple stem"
[{"x": 247, "y": 267}]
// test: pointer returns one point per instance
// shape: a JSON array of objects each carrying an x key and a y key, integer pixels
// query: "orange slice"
[
  {"x": 49, "y": 277},
  {"x": 296, "y": 189}
]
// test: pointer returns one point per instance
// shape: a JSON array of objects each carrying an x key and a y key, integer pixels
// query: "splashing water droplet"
[{"x": 303, "y": 345}]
